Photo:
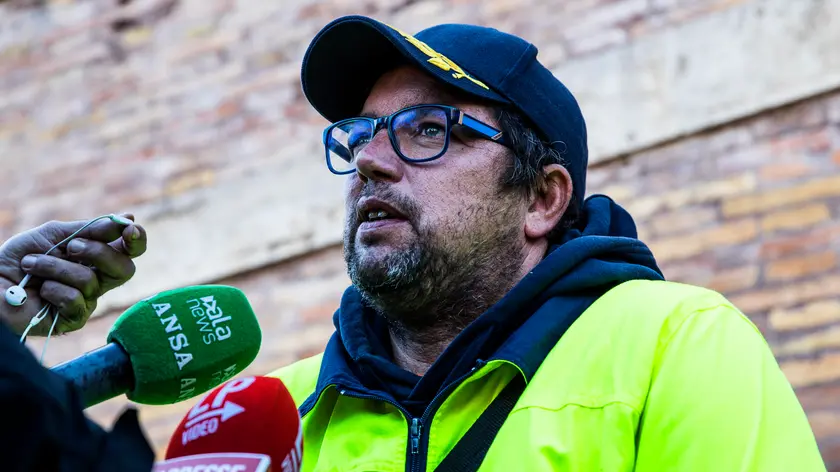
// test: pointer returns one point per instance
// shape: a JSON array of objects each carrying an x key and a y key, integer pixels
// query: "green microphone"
[{"x": 170, "y": 347}]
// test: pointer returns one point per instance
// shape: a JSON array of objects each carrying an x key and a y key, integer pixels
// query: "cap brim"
[{"x": 349, "y": 55}]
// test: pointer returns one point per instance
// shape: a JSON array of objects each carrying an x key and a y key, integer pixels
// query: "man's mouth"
[
  {"x": 371, "y": 210},
  {"x": 377, "y": 216}
]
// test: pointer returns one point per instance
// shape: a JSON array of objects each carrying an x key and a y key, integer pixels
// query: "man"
[
  {"x": 44, "y": 428},
  {"x": 497, "y": 320}
]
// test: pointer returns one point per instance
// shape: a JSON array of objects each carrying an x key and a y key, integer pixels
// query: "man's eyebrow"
[{"x": 441, "y": 97}]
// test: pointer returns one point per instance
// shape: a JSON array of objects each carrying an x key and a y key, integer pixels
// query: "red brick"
[
  {"x": 728, "y": 257},
  {"x": 788, "y": 295},
  {"x": 800, "y": 217},
  {"x": 811, "y": 343},
  {"x": 787, "y": 245},
  {"x": 744, "y": 158},
  {"x": 228, "y": 109},
  {"x": 698, "y": 270},
  {"x": 832, "y": 105},
  {"x": 802, "y": 143},
  {"x": 821, "y": 312},
  {"x": 681, "y": 247},
  {"x": 804, "y": 373},
  {"x": 830, "y": 450},
  {"x": 820, "y": 397},
  {"x": 668, "y": 156},
  {"x": 683, "y": 220},
  {"x": 785, "y": 171},
  {"x": 190, "y": 180},
  {"x": 680, "y": 182},
  {"x": 621, "y": 193},
  {"x": 734, "y": 280},
  {"x": 791, "y": 119},
  {"x": 802, "y": 192},
  {"x": 797, "y": 267},
  {"x": 825, "y": 423}
]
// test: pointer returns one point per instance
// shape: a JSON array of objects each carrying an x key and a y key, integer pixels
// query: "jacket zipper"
[
  {"x": 414, "y": 435},
  {"x": 417, "y": 457},
  {"x": 418, "y": 443}
]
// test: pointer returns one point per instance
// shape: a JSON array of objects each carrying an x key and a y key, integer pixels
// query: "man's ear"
[{"x": 549, "y": 202}]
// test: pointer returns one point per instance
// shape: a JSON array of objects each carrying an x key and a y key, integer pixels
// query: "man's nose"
[{"x": 379, "y": 161}]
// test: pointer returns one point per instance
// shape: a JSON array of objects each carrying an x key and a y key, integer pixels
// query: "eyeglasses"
[{"x": 420, "y": 133}]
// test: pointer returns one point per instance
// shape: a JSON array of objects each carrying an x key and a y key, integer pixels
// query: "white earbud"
[
  {"x": 120, "y": 220},
  {"x": 16, "y": 294}
]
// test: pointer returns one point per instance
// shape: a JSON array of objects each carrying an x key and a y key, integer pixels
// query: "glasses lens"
[
  {"x": 345, "y": 141},
  {"x": 421, "y": 132}
]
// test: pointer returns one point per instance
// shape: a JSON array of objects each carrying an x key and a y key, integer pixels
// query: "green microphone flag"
[{"x": 186, "y": 341}]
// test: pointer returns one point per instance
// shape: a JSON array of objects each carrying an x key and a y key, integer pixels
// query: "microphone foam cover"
[
  {"x": 246, "y": 415},
  {"x": 186, "y": 341}
]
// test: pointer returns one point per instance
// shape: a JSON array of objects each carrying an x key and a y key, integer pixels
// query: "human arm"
[
  {"x": 45, "y": 428},
  {"x": 719, "y": 401}
]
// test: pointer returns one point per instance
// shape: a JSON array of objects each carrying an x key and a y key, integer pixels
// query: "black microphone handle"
[{"x": 99, "y": 375}]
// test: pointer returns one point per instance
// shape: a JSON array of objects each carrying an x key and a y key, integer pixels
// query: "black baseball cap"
[{"x": 348, "y": 56}]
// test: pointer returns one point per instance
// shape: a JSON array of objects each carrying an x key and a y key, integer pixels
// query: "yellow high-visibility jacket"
[{"x": 653, "y": 376}]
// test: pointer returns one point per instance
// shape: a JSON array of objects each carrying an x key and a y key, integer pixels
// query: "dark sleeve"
[{"x": 45, "y": 429}]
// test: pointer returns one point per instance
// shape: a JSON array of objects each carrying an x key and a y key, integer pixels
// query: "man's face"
[{"x": 452, "y": 232}]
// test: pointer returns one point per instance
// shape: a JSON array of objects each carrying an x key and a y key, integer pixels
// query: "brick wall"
[{"x": 155, "y": 106}]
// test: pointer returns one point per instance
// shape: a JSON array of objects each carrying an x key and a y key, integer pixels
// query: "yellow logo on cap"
[{"x": 439, "y": 59}]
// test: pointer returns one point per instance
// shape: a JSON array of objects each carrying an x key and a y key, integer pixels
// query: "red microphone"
[{"x": 244, "y": 419}]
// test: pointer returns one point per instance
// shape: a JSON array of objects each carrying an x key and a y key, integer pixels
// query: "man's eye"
[
  {"x": 357, "y": 141},
  {"x": 431, "y": 130}
]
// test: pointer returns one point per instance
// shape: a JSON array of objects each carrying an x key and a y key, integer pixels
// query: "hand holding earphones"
[{"x": 68, "y": 266}]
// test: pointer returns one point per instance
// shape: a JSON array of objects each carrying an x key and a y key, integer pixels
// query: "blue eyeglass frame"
[{"x": 454, "y": 116}]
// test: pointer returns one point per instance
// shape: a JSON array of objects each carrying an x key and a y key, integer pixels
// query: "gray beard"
[{"x": 437, "y": 286}]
